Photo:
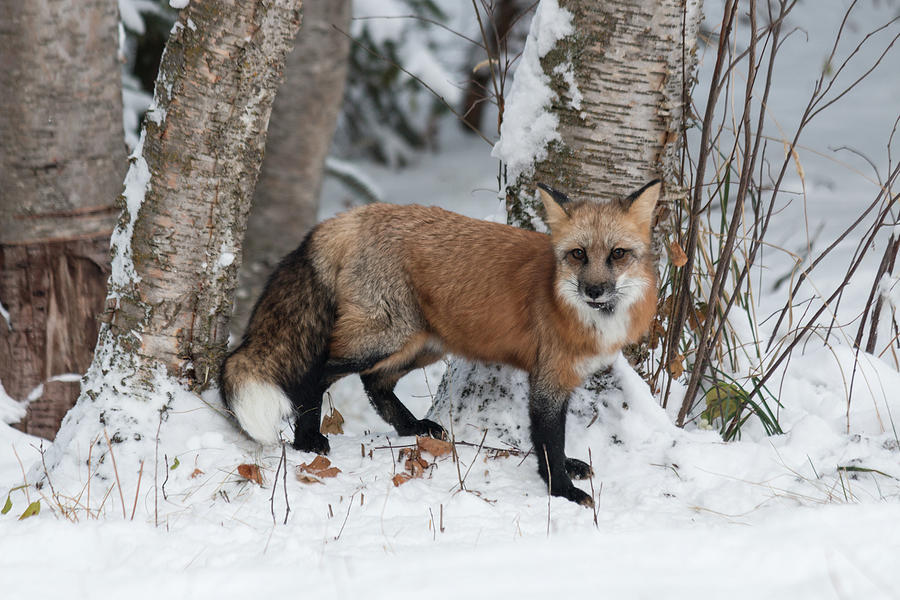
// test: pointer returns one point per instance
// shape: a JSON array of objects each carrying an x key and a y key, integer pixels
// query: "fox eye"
[
  {"x": 618, "y": 253},
  {"x": 577, "y": 254}
]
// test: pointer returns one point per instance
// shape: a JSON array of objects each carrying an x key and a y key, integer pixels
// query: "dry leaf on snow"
[
  {"x": 250, "y": 472},
  {"x": 433, "y": 446},
  {"x": 319, "y": 468},
  {"x": 401, "y": 478}
]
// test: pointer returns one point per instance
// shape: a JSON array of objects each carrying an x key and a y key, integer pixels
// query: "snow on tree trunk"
[
  {"x": 306, "y": 108},
  {"x": 62, "y": 158},
  {"x": 176, "y": 249},
  {"x": 595, "y": 110}
]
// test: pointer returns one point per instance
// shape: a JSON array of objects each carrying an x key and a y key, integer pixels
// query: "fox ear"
[
  {"x": 554, "y": 204},
  {"x": 641, "y": 203}
]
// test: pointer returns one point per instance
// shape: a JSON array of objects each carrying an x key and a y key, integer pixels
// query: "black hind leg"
[
  {"x": 380, "y": 389},
  {"x": 307, "y": 401}
]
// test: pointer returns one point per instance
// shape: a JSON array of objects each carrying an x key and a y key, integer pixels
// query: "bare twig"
[
  {"x": 473, "y": 459},
  {"x": 137, "y": 491},
  {"x": 449, "y": 107},
  {"x": 596, "y": 504},
  {"x": 347, "y": 516},
  {"x": 116, "y": 471}
]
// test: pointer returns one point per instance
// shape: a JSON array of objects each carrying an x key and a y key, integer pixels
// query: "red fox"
[{"x": 384, "y": 289}]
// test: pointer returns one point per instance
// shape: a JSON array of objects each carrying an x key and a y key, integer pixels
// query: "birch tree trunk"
[
  {"x": 304, "y": 116},
  {"x": 176, "y": 248},
  {"x": 616, "y": 88},
  {"x": 62, "y": 157}
]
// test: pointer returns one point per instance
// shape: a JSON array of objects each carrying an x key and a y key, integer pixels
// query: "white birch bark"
[{"x": 176, "y": 249}]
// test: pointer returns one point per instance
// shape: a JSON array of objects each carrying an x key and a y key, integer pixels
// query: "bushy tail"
[{"x": 284, "y": 349}]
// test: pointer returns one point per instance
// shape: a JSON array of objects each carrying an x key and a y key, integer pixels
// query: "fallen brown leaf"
[
  {"x": 433, "y": 446},
  {"x": 196, "y": 473},
  {"x": 317, "y": 464},
  {"x": 320, "y": 468},
  {"x": 307, "y": 479},
  {"x": 250, "y": 472},
  {"x": 401, "y": 478}
]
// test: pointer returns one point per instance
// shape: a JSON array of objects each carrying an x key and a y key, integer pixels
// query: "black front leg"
[
  {"x": 306, "y": 398},
  {"x": 547, "y": 409}
]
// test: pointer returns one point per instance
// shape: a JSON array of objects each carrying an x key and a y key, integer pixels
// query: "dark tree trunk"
[{"x": 62, "y": 157}]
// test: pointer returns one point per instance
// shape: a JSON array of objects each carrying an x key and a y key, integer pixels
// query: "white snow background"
[{"x": 680, "y": 513}]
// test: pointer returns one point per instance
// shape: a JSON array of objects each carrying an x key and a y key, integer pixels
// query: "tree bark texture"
[
  {"x": 176, "y": 248},
  {"x": 633, "y": 62},
  {"x": 62, "y": 157},
  {"x": 203, "y": 145},
  {"x": 304, "y": 116}
]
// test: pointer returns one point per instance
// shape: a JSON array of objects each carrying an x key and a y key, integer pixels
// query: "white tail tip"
[{"x": 261, "y": 408}]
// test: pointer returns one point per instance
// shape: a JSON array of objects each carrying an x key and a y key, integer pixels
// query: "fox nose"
[{"x": 595, "y": 291}]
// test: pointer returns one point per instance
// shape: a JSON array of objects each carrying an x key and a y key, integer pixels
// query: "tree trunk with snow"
[
  {"x": 597, "y": 110},
  {"x": 62, "y": 158},
  {"x": 286, "y": 200},
  {"x": 176, "y": 248}
]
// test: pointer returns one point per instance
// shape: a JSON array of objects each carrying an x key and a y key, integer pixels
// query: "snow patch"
[
  {"x": 567, "y": 73},
  {"x": 11, "y": 410},
  {"x": 225, "y": 260},
  {"x": 130, "y": 17},
  {"x": 137, "y": 183},
  {"x": 5, "y": 314},
  {"x": 179, "y": 4},
  {"x": 529, "y": 125}
]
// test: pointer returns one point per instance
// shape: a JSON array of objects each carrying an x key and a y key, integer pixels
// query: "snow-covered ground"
[{"x": 809, "y": 514}]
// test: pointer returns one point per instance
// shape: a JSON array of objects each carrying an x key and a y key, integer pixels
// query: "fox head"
[{"x": 603, "y": 259}]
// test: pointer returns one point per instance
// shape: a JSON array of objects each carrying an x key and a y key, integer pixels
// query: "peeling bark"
[
  {"x": 304, "y": 117},
  {"x": 62, "y": 159}
]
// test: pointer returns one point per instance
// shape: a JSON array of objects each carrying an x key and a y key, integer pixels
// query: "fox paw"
[
  {"x": 311, "y": 442},
  {"x": 578, "y": 469},
  {"x": 575, "y": 495},
  {"x": 426, "y": 427}
]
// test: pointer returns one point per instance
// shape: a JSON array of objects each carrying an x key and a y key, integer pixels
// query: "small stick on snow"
[
  {"x": 549, "y": 487},
  {"x": 275, "y": 487},
  {"x": 116, "y": 471},
  {"x": 347, "y": 516},
  {"x": 155, "y": 475},
  {"x": 474, "y": 458},
  {"x": 287, "y": 505},
  {"x": 137, "y": 491},
  {"x": 166, "y": 480},
  {"x": 462, "y": 485},
  {"x": 24, "y": 477},
  {"x": 594, "y": 508},
  {"x": 432, "y": 525}
]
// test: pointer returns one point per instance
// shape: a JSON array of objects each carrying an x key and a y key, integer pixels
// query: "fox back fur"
[{"x": 384, "y": 289}]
